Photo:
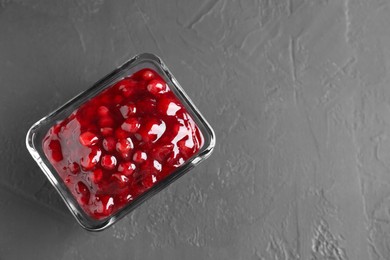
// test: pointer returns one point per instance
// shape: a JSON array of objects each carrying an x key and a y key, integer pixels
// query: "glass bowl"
[{"x": 121, "y": 141}]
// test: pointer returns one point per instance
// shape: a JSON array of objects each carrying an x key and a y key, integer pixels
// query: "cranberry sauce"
[{"x": 120, "y": 143}]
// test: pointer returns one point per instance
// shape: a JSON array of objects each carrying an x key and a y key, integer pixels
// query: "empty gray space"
[{"x": 298, "y": 93}]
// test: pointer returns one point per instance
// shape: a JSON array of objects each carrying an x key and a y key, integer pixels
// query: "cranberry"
[
  {"x": 55, "y": 149},
  {"x": 132, "y": 135},
  {"x": 86, "y": 113},
  {"x": 103, "y": 111},
  {"x": 88, "y": 139},
  {"x": 146, "y": 105},
  {"x": 106, "y": 122},
  {"x": 124, "y": 198},
  {"x": 128, "y": 110},
  {"x": 176, "y": 161},
  {"x": 152, "y": 129},
  {"x": 127, "y": 168},
  {"x": 121, "y": 134},
  {"x": 108, "y": 162},
  {"x": 186, "y": 147},
  {"x": 106, "y": 131},
  {"x": 139, "y": 157},
  {"x": 157, "y": 87},
  {"x": 97, "y": 175},
  {"x": 126, "y": 87},
  {"x": 148, "y": 74},
  {"x": 104, "y": 205},
  {"x": 124, "y": 146},
  {"x": 89, "y": 162},
  {"x": 148, "y": 180},
  {"x": 121, "y": 179},
  {"x": 168, "y": 107},
  {"x": 131, "y": 125},
  {"x": 150, "y": 167},
  {"x": 161, "y": 153},
  {"x": 118, "y": 99},
  {"x": 109, "y": 144},
  {"x": 106, "y": 97}
]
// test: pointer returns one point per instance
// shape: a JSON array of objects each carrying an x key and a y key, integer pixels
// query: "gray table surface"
[{"x": 297, "y": 91}]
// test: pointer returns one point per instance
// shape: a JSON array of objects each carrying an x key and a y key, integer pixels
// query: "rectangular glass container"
[{"x": 39, "y": 131}]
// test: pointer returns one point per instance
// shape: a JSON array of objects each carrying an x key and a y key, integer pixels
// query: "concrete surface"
[{"x": 298, "y": 93}]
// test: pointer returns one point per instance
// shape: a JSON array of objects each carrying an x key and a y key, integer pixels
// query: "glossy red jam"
[{"x": 120, "y": 143}]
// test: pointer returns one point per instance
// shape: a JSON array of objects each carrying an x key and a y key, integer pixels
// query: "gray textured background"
[{"x": 297, "y": 91}]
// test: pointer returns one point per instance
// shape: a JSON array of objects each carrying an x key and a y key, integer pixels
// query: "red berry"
[
  {"x": 127, "y": 168},
  {"x": 104, "y": 205},
  {"x": 109, "y": 143},
  {"x": 97, "y": 175},
  {"x": 118, "y": 99},
  {"x": 108, "y": 162},
  {"x": 121, "y": 134},
  {"x": 128, "y": 110},
  {"x": 176, "y": 161},
  {"x": 150, "y": 167},
  {"x": 168, "y": 107},
  {"x": 89, "y": 162},
  {"x": 86, "y": 113},
  {"x": 106, "y": 131},
  {"x": 126, "y": 87},
  {"x": 161, "y": 153},
  {"x": 131, "y": 125},
  {"x": 106, "y": 122},
  {"x": 139, "y": 156},
  {"x": 146, "y": 105},
  {"x": 105, "y": 97},
  {"x": 148, "y": 74},
  {"x": 103, "y": 111},
  {"x": 177, "y": 129},
  {"x": 124, "y": 198},
  {"x": 152, "y": 129},
  {"x": 186, "y": 147},
  {"x": 55, "y": 149},
  {"x": 157, "y": 87},
  {"x": 124, "y": 145},
  {"x": 121, "y": 179},
  {"x": 149, "y": 180},
  {"x": 88, "y": 139}
]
